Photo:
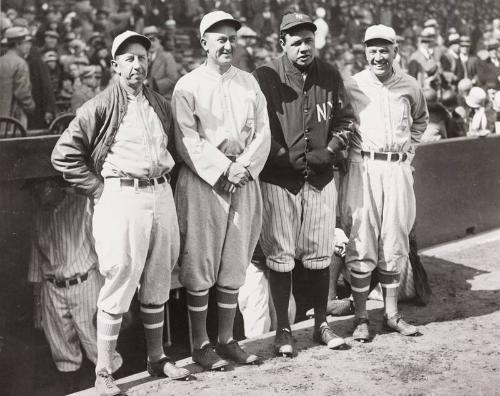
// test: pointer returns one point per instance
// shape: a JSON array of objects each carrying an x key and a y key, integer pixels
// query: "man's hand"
[
  {"x": 37, "y": 306},
  {"x": 48, "y": 117},
  {"x": 228, "y": 186},
  {"x": 237, "y": 174}
]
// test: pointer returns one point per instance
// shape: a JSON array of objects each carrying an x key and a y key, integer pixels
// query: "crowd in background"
[{"x": 451, "y": 47}]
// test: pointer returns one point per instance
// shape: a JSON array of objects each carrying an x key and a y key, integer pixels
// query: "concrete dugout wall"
[{"x": 457, "y": 187}]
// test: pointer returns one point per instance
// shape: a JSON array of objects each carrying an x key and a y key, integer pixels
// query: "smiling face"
[
  {"x": 380, "y": 55},
  {"x": 131, "y": 65},
  {"x": 298, "y": 46},
  {"x": 219, "y": 44}
]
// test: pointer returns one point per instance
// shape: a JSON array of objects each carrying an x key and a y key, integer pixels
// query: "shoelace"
[{"x": 109, "y": 381}]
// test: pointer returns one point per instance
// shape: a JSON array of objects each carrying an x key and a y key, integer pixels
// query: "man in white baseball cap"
[
  {"x": 118, "y": 150},
  {"x": 223, "y": 139},
  {"x": 377, "y": 198}
]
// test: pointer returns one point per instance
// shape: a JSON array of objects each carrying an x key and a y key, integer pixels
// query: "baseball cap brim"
[
  {"x": 125, "y": 37},
  {"x": 233, "y": 22}
]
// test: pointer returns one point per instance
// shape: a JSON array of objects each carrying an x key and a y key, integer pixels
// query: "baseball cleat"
[
  {"x": 165, "y": 367},
  {"x": 361, "y": 331},
  {"x": 208, "y": 358},
  {"x": 325, "y": 335},
  {"x": 105, "y": 384},
  {"x": 396, "y": 323},
  {"x": 233, "y": 351},
  {"x": 284, "y": 344}
]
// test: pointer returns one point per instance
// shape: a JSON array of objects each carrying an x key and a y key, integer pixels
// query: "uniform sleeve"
[
  {"x": 22, "y": 88},
  {"x": 343, "y": 121},
  {"x": 255, "y": 155},
  {"x": 71, "y": 154},
  {"x": 420, "y": 117},
  {"x": 202, "y": 157}
]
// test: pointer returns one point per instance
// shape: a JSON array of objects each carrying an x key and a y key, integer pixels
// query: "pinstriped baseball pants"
[
  {"x": 67, "y": 322},
  {"x": 298, "y": 226}
]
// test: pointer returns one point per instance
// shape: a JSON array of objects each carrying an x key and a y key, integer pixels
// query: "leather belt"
[
  {"x": 392, "y": 157},
  {"x": 68, "y": 282},
  {"x": 142, "y": 183}
]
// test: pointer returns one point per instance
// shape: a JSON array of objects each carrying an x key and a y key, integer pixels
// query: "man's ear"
[
  {"x": 203, "y": 42},
  {"x": 282, "y": 43},
  {"x": 114, "y": 65}
]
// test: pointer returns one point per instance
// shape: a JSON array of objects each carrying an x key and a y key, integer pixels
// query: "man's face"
[
  {"x": 464, "y": 49},
  {"x": 455, "y": 48},
  {"x": 50, "y": 42},
  {"x": 219, "y": 44},
  {"x": 24, "y": 48},
  {"x": 51, "y": 64},
  {"x": 132, "y": 65},
  {"x": 90, "y": 81},
  {"x": 380, "y": 55},
  {"x": 155, "y": 42},
  {"x": 298, "y": 46}
]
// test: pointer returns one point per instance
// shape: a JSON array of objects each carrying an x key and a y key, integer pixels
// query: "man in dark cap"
[
  {"x": 118, "y": 150},
  {"x": 310, "y": 122},
  {"x": 488, "y": 70}
]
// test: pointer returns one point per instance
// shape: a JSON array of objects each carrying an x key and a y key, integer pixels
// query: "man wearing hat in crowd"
[
  {"x": 422, "y": 60},
  {"x": 51, "y": 41},
  {"x": 87, "y": 90},
  {"x": 488, "y": 71},
  {"x": 51, "y": 59},
  {"x": 163, "y": 73},
  {"x": 118, "y": 150},
  {"x": 223, "y": 138},
  {"x": 468, "y": 61},
  {"x": 450, "y": 61},
  {"x": 15, "y": 84},
  {"x": 377, "y": 203},
  {"x": 310, "y": 122},
  {"x": 29, "y": 14}
]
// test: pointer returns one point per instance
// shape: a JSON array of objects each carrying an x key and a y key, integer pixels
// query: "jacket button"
[{"x": 306, "y": 110}]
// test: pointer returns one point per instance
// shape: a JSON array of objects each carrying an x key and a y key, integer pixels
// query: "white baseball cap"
[
  {"x": 380, "y": 32},
  {"x": 122, "y": 38},
  {"x": 214, "y": 17}
]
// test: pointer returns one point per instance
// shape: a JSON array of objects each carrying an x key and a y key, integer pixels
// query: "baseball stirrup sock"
[
  {"x": 197, "y": 308},
  {"x": 390, "y": 283},
  {"x": 227, "y": 302},
  {"x": 281, "y": 288},
  {"x": 319, "y": 282},
  {"x": 360, "y": 286},
  {"x": 108, "y": 328},
  {"x": 153, "y": 317}
]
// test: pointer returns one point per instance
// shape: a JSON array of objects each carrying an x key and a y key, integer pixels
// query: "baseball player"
[
  {"x": 310, "y": 124},
  {"x": 223, "y": 138},
  {"x": 66, "y": 283},
  {"x": 377, "y": 202},
  {"x": 118, "y": 150}
]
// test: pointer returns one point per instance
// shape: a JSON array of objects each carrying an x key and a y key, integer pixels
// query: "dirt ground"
[{"x": 458, "y": 353}]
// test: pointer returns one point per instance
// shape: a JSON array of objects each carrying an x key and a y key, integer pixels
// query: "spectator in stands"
[
  {"x": 496, "y": 107},
  {"x": 488, "y": 71},
  {"x": 51, "y": 41},
  {"x": 29, "y": 14},
  {"x": 87, "y": 90},
  {"x": 265, "y": 21},
  {"x": 51, "y": 59},
  {"x": 163, "y": 73},
  {"x": 322, "y": 29},
  {"x": 478, "y": 121},
  {"x": 422, "y": 62},
  {"x": 16, "y": 99},
  {"x": 450, "y": 61},
  {"x": 438, "y": 118},
  {"x": 469, "y": 62},
  {"x": 456, "y": 126}
]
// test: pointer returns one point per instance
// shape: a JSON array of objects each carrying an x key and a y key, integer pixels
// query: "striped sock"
[
  {"x": 153, "y": 317},
  {"x": 197, "y": 307},
  {"x": 360, "y": 285},
  {"x": 227, "y": 302},
  {"x": 108, "y": 328},
  {"x": 389, "y": 282}
]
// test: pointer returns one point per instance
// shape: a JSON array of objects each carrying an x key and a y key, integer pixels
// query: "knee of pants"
[{"x": 280, "y": 266}]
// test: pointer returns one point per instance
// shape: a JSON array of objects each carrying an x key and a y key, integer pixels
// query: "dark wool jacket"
[
  {"x": 82, "y": 148},
  {"x": 305, "y": 117}
]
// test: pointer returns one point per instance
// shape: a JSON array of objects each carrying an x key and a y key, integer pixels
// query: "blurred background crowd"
[{"x": 451, "y": 46}]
